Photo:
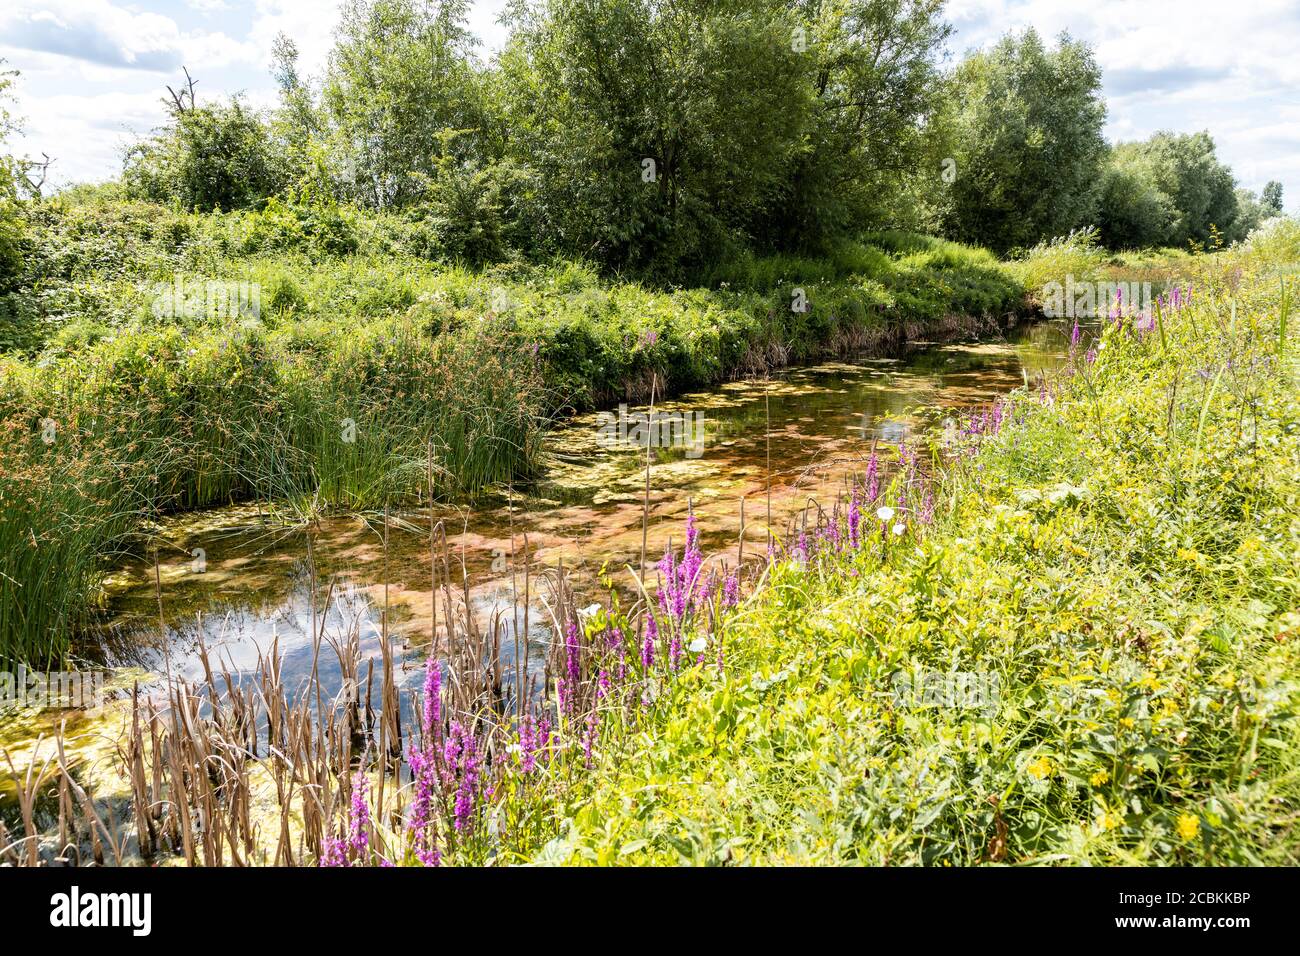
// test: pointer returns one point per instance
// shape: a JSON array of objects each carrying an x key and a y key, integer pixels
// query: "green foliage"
[
  {"x": 1271, "y": 196},
  {"x": 1113, "y": 574},
  {"x": 297, "y": 223},
  {"x": 1076, "y": 254},
  {"x": 1028, "y": 146},
  {"x": 399, "y": 75},
  {"x": 209, "y": 157},
  {"x": 1133, "y": 211},
  {"x": 194, "y": 414},
  {"x": 13, "y": 229},
  {"x": 12, "y": 225},
  {"x": 658, "y": 131},
  {"x": 866, "y": 125},
  {"x": 1172, "y": 190}
]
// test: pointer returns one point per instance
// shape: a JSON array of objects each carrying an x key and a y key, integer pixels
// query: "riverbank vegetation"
[
  {"x": 1064, "y": 632},
  {"x": 1066, "y": 636}
]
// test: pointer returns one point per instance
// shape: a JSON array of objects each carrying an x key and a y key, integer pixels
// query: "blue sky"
[{"x": 94, "y": 71}]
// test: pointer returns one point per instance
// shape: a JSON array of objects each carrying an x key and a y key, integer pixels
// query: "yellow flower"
[
  {"x": 1040, "y": 769},
  {"x": 1188, "y": 826},
  {"x": 1110, "y": 820},
  {"x": 1100, "y": 777},
  {"x": 1128, "y": 723}
]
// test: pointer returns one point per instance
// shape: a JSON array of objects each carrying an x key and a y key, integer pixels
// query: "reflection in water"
[{"x": 795, "y": 436}]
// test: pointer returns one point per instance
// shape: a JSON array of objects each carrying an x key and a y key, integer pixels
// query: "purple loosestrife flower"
[
  {"x": 602, "y": 685},
  {"x": 432, "y": 700},
  {"x": 334, "y": 852},
  {"x": 424, "y": 774},
  {"x": 691, "y": 558},
  {"x": 1076, "y": 334},
  {"x": 855, "y": 520},
  {"x": 731, "y": 591},
  {"x": 674, "y": 651},
  {"x": 528, "y": 744},
  {"x": 648, "y": 647},
  {"x": 544, "y": 737},
  {"x": 359, "y": 817},
  {"x": 873, "y": 479},
  {"x": 467, "y": 769},
  {"x": 801, "y": 547},
  {"x": 568, "y": 685},
  {"x": 668, "y": 590}
]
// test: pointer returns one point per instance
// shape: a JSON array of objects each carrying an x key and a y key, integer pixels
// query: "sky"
[{"x": 93, "y": 73}]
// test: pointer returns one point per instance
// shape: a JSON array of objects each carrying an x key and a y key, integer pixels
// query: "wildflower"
[
  {"x": 731, "y": 591},
  {"x": 1040, "y": 769},
  {"x": 1187, "y": 826},
  {"x": 648, "y": 648},
  {"x": 528, "y": 745},
  {"x": 801, "y": 548},
  {"x": 899, "y": 528},
  {"x": 1099, "y": 778},
  {"x": 855, "y": 518},
  {"x": 467, "y": 767},
  {"x": 873, "y": 478},
  {"x": 333, "y": 852},
  {"x": 568, "y": 685},
  {"x": 359, "y": 817},
  {"x": 432, "y": 698},
  {"x": 885, "y": 514}
]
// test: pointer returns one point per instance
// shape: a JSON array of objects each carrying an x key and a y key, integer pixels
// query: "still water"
[{"x": 239, "y": 581}]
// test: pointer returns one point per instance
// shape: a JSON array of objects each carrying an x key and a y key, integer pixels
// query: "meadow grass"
[{"x": 1112, "y": 565}]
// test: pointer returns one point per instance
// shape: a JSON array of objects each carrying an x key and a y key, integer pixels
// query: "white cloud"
[{"x": 100, "y": 32}]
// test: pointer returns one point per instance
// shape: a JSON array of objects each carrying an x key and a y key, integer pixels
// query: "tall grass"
[{"x": 177, "y": 418}]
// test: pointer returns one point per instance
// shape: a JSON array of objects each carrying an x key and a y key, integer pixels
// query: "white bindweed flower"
[
  {"x": 885, "y": 514},
  {"x": 590, "y": 610},
  {"x": 900, "y": 528},
  {"x": 698, "y": 645}
]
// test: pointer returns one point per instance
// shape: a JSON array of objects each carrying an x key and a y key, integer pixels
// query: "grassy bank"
[
  {"x": 313, "y": 358},
  {"x": 1091, "y": 653}
]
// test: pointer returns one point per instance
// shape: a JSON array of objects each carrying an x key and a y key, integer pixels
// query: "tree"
[
  {"x": 1028, "y": 141},
  {"x": 659, "y": 131},
  {"x": 1201, "y": 189},
  {"x": 1271, "y": 197},
  {"x": 873, "y": 75},
  {"x": 207, "y": 157},
  {"x": 401, "y": 73},
  {"x": 12, "y": 224},
  {"x": 1133, "y": 211}
]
